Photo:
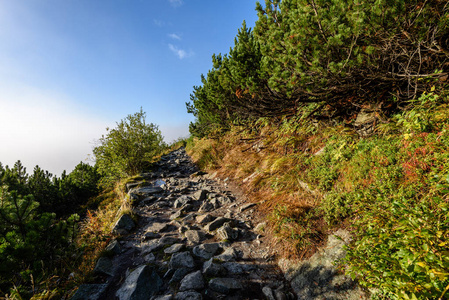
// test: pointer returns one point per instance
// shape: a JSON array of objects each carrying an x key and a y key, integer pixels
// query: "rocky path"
[
  {"x": 193, "y": 240},
  {"x": 196, "y": 240}
]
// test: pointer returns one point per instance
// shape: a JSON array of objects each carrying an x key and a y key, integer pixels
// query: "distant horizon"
[{"x": 70, "y": 69}]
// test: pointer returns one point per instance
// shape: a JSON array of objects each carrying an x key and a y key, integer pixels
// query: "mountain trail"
[{"x": 195, "y": 239}]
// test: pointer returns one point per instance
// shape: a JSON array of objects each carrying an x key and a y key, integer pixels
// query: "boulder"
[
  {"x": 225, "y": 285},
  {"x": 182, "y": 260},
  {"x": 124, "y": 225},
  {"x": 192, "y": 281},
  {"x": 89, "y": 292},
  {"x": 141, "y": 284},
  {"x": 212, "y": 269},
  {"x": 103, "y": 266},
  {"x": 206, "y": 251}
]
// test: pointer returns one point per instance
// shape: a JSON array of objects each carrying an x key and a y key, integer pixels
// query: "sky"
[{"x": 70, "y": 69}]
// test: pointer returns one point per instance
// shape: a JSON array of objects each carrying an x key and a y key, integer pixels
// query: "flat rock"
[
  {"x": 89, "y": 292},
  {"x": 206, "y": 251},
  {"x": 212, "y": 269},
  {"x": 228, "y": 255},
  {"x": 204, "y": 219},
  {"x": 174, "y": 248},
  {"x": 194, "y": 236},
  {"x": 103, "y": 266},
  {"x": 215, "y": 224},
  {"x": 188, "y": 295},
  {"x": 124, "y": 225},
  {"x": 182, "y": 260},
  {"x": 225, "y": 285},
  {"x": 192, "y": 281},
  {"x": 140, "y": 284},
  {"x": 200, "y": 195}
]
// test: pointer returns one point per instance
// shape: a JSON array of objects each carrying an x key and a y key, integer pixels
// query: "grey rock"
[
  {"x": 226, "y": 232},
  {"x": 150, "y": 235},
  {"x": 212, "y": 269},
  {"x": 268, "y": 292},
  {"x": 142, "y": 192},
  {"x": 149, "y": 258},
  {"x": 188, "y": 295},
  {"x": 181, "y": 201},
  {"x": 150, "y": 246},
  {"x": 204, "y": 219},
  {"x": 206, "y": 251},
  {"x": 179, "y": 274},
  {"x": 140, "y": 284},
  {"x": 103, "y": 266},
  {"x": 114, "y": 247},
  {"x": 177, "y": 215},
  {"x": 200, "y": 195},
  {"x": 247, "y": 206},
  {"x": 124, "y": 225},
  {"x": 156, "y": 227},
  {"x": 225, "y": 285},
  {"x": 194, "y": 236},
  {"x": 174, "y": 248},
  {"x": 280, "y": 295},
  {"x": 164, "y": 297},
  {"x": 215, "y": 224},
  {"x": 235, "y": 268},
  {"x": 228, "y": 255},
  {"x": 206, "y": 207},
  {"x": 192, "y": 281},
  {"x": 182, "y": 260},
  {"x": 89, "y": 292}
]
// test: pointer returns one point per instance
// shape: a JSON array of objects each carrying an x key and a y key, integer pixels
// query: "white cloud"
[
  {"x": 181, "y": 53},
  {"x": 176, "y": 3},
  {"x": 45, "y": 128},
  {"x": 175, "y": 36},
  {"x": 159, "y": 23}
]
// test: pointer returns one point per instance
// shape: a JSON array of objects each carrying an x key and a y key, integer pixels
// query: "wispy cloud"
[
  {"x": 159, "y": 23},
  {"x": 180, "y": 53},
  {"x": 175, "y": 36},
  {"x": 176, "y": 3}
]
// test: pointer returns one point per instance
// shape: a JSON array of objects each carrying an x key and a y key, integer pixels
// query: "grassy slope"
[{"x": 391, "y": 189}]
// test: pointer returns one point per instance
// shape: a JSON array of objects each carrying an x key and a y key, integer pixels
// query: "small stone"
[
  {"x": 228, "y": 255},
  {"x": 206, "y": 251},
  {"x": 140, "y": 284},
  {"x": 174, "y": 248},
  {"x": 225, "y": 285},
  {"x": 204, "y": 219},
  {"x": 200, "y": 195},
  {"x": 149, "y": 258},
  {"x": 103, "y": 266},
  {"x": 182, "y": 260},
  {"x": 124, "y": 225},
  {"x": 150, "y": 235},
  {"x": 247, "y": 206},
  {"x": 181, "y": 201},
  {"x": 212, "y": 269},
  {"x": 157, "y": 227},
  {"x": 89, "y": 292},
  {"x": 176, "y": 215},
  {"x": 268, "y": 292},
  {"x": 188, "y": 295},
  {"x": 206, "y": 207},
  {"x": 215, "y": 224},
  {"x": 194, "y": 236},
  {"x": 225, "y": 232},
  {"x": 114, "y": 247},
  {"x": 179, "y": 274},
  {"x": 192, "y": 281}
]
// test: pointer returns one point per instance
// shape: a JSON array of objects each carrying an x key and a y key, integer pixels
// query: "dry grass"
[{"x": 263, "y": 167}]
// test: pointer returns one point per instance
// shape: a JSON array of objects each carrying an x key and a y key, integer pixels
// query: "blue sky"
[{"x": 69, "y": 69}]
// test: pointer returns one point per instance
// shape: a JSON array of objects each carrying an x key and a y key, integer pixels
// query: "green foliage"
[
  {"x": 335, "y": 52},
  {"x": 128, "y": 148},
  {"x": 31, "y": 243},
  {"x": 404, "y": 248}
]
